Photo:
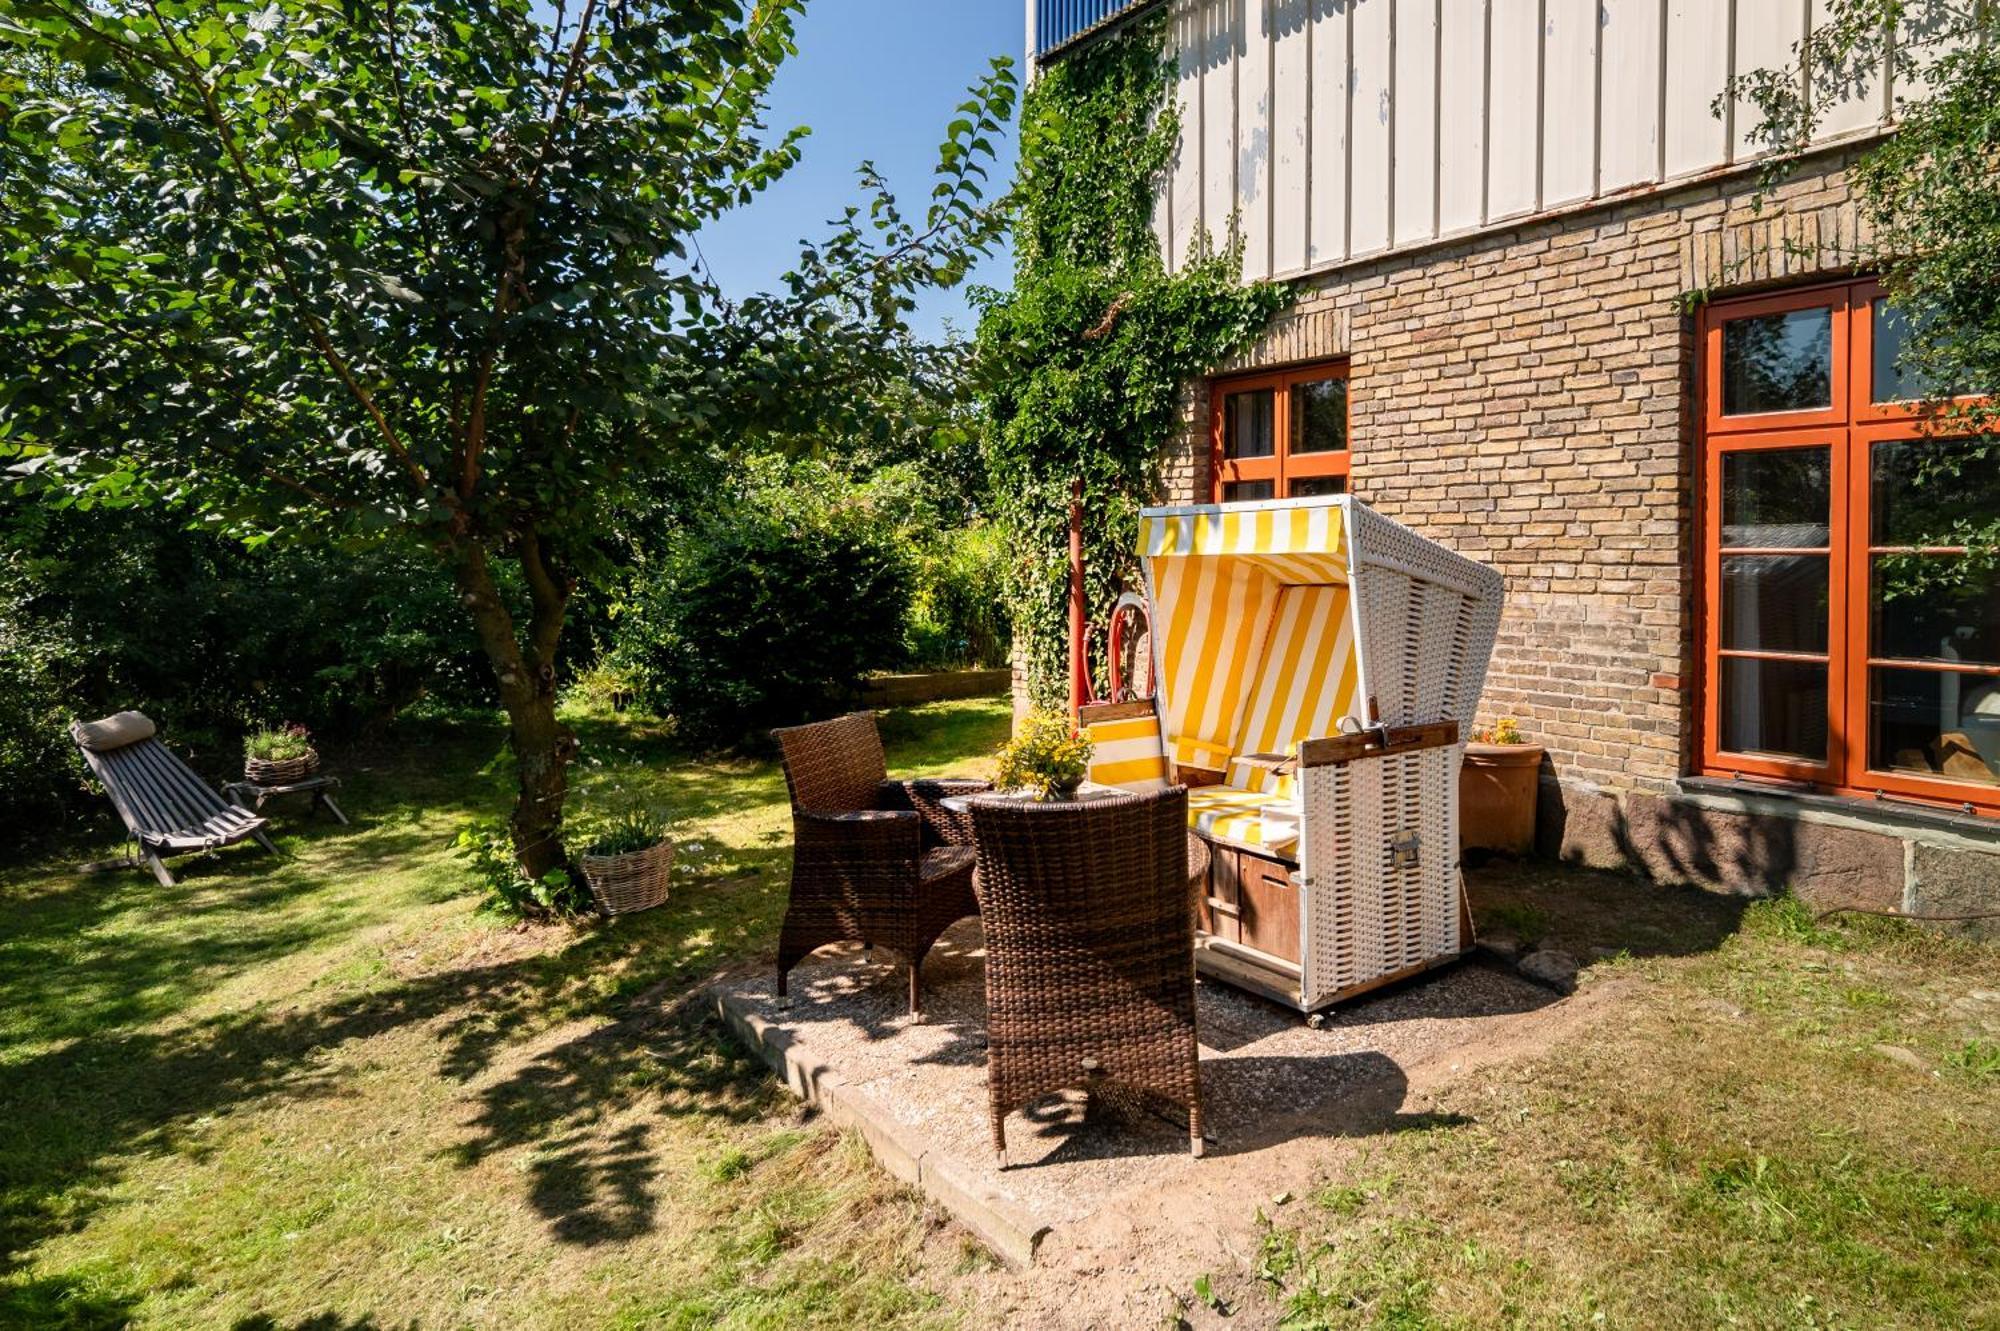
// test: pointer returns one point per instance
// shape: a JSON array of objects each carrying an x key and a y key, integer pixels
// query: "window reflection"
[
  {"x": 1777, "y": 499},
  {"x": 1319, "y": 417},
  {"x": 1778, "y": 362},
  {"x": 1247, "y": 425},
  {"x": 1935, "y": 723},
  {"x": 1775, "y": 707}
]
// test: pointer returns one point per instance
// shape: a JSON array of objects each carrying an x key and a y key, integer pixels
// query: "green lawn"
[
  {"x": 1793, "y": 1125},
  {"x": 325, "y": 1094}
]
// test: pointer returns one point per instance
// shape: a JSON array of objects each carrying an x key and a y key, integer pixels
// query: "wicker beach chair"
[
  {"x": 1088, "y": 910},
  {"x": 874, "y": 861},
  {"x": 167, "y": 809}
]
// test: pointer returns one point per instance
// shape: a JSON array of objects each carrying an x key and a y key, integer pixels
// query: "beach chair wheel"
[{"x": 1316, "y": 1021}]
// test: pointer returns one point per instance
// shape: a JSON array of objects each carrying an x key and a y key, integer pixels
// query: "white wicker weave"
[
  {"x": 1379, "y": 870},
  {"x": 1428, "y": 619}
]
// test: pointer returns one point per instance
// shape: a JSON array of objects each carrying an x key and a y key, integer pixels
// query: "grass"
[
  {"x": 325, "y": 1092},
  {"x": 1796, "y": 1127}
]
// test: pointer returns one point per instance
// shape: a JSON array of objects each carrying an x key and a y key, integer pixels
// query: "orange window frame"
[
  {"x": 1849, "y": 429},
  {"x": 1283, "y": 466}
]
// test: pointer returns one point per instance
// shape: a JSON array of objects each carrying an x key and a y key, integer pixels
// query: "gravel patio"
[{"x": 916, "y": 1088}]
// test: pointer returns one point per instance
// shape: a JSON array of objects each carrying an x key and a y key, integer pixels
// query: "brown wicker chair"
[
  {"x": 874, "y": 861},
  {"x": 1089, "y": 919}
]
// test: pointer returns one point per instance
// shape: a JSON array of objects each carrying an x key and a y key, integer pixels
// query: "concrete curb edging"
[{"x": 1012, "y": 1232}]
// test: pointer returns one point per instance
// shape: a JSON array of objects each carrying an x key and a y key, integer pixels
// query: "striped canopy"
[{"x": 1252, "y": 626}]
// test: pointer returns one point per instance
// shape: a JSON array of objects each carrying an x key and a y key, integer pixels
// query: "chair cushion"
[
  {"x": 946, "y": 861},
  {"x": 113, "y": 732},
  {"x": 1246, "y": 817}
]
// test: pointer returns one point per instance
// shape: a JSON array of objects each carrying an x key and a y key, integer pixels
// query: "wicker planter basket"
[
  {"x": 280, "y": 771},
  {"x": 622, "y": 884}
]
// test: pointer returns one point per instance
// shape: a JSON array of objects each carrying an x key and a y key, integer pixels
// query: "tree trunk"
[{"x": 543, "y": 746}]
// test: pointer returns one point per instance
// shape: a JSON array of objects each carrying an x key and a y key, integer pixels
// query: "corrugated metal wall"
[
  {"x": 1059, "y": 22},
  {"x": 1336, "y": 129}
]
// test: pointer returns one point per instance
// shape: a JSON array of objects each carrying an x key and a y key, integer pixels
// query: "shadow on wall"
[{"x": 1668, "y": 842}]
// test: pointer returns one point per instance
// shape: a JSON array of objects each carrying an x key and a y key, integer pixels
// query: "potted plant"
[
  {"x": 279, "y": 755},
  {"x": 1498, "y": 788},
  {"x": 1047, "y": 756},
  {"x": 625, "y": 859}
]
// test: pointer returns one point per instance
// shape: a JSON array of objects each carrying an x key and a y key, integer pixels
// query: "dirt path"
[{"x": 1124, "y": 1265}]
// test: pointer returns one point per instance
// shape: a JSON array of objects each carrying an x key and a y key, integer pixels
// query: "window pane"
[
  {"x": 1932, "y": 491},
  {"x": 1889, "y": 381},
  {"x": 1775, "y": 603},
  {"x": 1247, "y": 424},
  {"x": 1778, "y": 362},
  {"x": 1777, "y": 499},
  {"x": 1934, "y": 608},
  {"x": 1307, "y": 486},
  {"x": 1935, "y": 723},
  {"x": 1235, "y": 490},
  {"x": 1319, "y": 416},
  {"x": 1775, "y": 707}
]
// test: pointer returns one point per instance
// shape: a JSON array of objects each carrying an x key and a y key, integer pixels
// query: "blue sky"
[{"x": 877, "y": 80}]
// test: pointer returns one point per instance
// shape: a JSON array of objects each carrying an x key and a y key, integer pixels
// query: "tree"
[
  {"x": 421, "y": 271},
  {"x": 1931, "y": 196}
]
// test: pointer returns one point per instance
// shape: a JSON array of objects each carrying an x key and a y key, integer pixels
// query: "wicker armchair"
[
  {"x": 1088, "y": 910},
  {"x": 874, "y": 861}
]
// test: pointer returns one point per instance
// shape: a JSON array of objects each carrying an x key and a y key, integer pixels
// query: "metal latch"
[{"x": 1406, "y": 850}]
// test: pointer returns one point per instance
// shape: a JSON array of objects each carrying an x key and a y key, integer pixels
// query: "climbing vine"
[{"x": 1085, "y": 360}]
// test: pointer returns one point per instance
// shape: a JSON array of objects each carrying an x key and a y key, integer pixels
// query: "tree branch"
[{"x": 315, "y": 328}]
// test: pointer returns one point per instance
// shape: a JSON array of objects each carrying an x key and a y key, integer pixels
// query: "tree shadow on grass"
[
  {"x": 64, "y": 1302},
  {"x": 85, "y": 1105},
  {"x": 319, "y": 1322},
  {"x": 94, "y": 1091}
]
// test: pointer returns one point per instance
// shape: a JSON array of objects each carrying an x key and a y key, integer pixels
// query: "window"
[
  {"x": 1281, "y": 436},
  {"x": 1849, "y": 640}
]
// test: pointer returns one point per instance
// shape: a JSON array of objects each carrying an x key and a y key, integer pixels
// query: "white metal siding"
[{"x": 1335, "y": 129}]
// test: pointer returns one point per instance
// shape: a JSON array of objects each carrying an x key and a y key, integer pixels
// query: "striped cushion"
[
  {"x": 1247, "y": 817},
  {"x": 1128, "y": 753},
  {"x": 1261, "y": 780}
]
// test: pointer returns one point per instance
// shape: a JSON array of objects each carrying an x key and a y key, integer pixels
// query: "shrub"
[
  {"x": 772, "y": 608},
  {"x": 957, "y": 619},
  {"x": 488, "y": 849},
  {"x": 109, "y": 609},
  {"x": 41, "y": 775}
]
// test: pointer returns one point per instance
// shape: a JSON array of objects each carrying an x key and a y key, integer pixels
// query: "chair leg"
[
  {"x": 916, "y": 990},
  {"x": 265, "y": 842},
  {"x": 158, "y": 866},
  {"x": 1000, "y": 1139},
  {"x": 1196, "y": 1146}
]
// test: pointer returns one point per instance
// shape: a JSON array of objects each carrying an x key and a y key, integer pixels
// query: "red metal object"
[{"x": 1079, "y": 660}]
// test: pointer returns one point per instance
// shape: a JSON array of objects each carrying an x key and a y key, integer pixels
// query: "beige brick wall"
[{"x": 1526, "y": 398}]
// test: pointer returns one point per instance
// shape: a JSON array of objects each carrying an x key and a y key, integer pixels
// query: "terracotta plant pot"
[{"x": 1497, "y": 790}]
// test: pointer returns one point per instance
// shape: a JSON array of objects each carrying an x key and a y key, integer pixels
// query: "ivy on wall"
[{"x": 1085, "y": 360}]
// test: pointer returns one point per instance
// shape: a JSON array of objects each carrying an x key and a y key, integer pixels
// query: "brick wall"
[{"x": 1525, "y": 397}]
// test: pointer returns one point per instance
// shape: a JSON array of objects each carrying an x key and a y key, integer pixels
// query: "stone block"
[{"x": 1948, "y": 881}]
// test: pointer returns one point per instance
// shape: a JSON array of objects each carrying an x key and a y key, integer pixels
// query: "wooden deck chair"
[{"x": 168, "y": 810}]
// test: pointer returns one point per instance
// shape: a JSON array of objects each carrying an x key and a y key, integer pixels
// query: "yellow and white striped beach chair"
[{"x": 1315, "y": 663}]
